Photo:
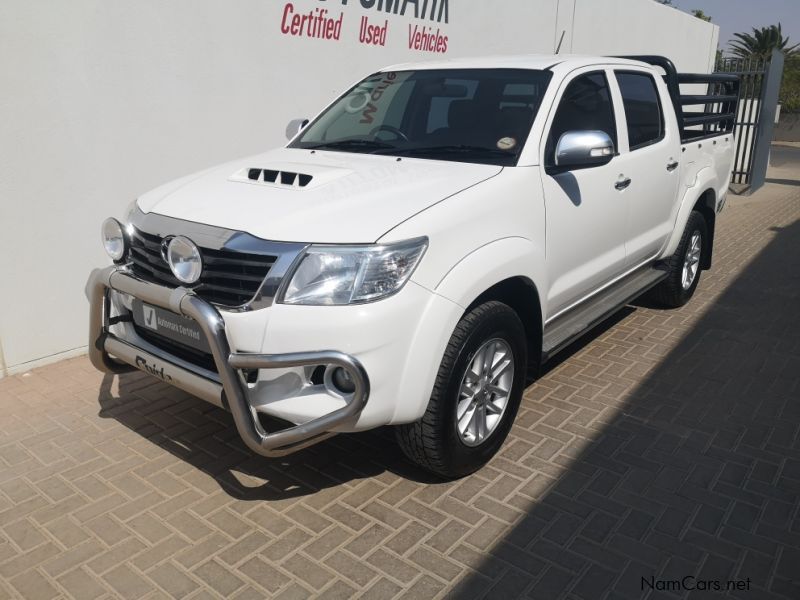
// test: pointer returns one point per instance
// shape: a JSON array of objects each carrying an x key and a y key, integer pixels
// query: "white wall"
[{"x": 102, "y": 100}]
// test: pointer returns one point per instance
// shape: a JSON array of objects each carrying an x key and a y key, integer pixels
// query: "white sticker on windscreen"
[{"x": 506, "y": 143}]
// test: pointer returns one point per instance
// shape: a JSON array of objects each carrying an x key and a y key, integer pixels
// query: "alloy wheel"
[
  {"x": 484, "y": 392},
  {"x": 691, "y": 262}
]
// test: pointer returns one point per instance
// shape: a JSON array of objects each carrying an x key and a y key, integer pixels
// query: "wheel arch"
[
  {"x": 706, "y": 205},
  {"x": 702, "y": 197},
  {"x": 521, "y": 295},
  {"x": 510, "y": 270}
]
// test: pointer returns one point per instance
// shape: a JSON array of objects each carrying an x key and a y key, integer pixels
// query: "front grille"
[{"x": 229, "y": 278}]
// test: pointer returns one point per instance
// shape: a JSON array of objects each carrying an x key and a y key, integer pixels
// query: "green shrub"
[{"x": 790, "y": 88}]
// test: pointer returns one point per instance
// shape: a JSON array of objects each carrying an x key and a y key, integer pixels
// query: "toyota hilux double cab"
[{"x": 420, "y": 248}]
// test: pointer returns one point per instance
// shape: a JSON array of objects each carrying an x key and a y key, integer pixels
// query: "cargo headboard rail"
[{"x": 718, "y": 105}]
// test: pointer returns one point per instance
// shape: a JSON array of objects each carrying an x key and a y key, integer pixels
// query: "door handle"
[
  {"x": 621, "y": 185},
  {"x": 672, "y": 166}
]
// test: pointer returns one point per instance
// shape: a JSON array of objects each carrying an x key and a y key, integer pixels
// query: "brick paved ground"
[{"x": 665, "y": 445}]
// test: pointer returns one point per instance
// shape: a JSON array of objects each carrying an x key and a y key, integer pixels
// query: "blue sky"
[{"x": 741, "y": 15}]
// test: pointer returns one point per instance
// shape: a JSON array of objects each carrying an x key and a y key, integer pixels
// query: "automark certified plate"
[{"x": 169, "y": 325}]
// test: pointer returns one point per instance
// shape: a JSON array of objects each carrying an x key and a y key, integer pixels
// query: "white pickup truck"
[{"x": 420, "y": 248}]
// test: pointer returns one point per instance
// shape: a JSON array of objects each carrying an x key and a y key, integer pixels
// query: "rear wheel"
[
  {"x": 683, "y": 266},
  {"x": 476, "y": 395}
]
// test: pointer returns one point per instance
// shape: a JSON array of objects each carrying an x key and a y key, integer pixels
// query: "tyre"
[
  {"x": 683, "y": 267},
  {"x": 476, "y": 395}
]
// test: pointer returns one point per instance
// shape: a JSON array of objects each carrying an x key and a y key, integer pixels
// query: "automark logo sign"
[
  {"x": 430, "y": 10},
  {"x": 150, "y": 318},
  {"x": 326, "y": 23}
]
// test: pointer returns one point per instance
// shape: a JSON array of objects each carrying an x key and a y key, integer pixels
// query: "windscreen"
[{"x": 467, "y": 115}]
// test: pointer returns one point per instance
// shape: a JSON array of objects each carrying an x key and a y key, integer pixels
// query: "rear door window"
[{"x": 643, "y": 112}]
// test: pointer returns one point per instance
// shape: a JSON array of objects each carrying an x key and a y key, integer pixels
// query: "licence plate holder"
[{"x": 167, "y": 324}]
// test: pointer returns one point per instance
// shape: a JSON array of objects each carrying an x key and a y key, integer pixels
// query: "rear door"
[
  {"x": 586, "y": 216},
  {"x": 650, "y": 154}
]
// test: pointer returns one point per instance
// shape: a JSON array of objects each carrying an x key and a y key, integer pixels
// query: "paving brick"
[
  {"x": 33, "y": 585},
  {"x": 552, "y": 584},
  {"x": 230, "y": 524},
  {"x": 163, "y": 550},
  {"x": 308, "y": 518},
  {"x": 368, "y": 540},
  {"x": 25, "y": 534},
  {"x": 246, "y": 593},
  {"x": 487, "y": 533},
  {"x": 123, "y": 553},
  {"x": 73, "y": 557},
  {"x": 82, "y": 585},
  {"x": 244, "y": 548},
  {"x": 450, "y": 533},
  {"x": 352, "y": 568},
  {"x": 218, "y": 577},
  {"x": 381, "y": 590},
  {"x": 435, "y": 563},
  {"x": 190, "y": 526},
  {"x": 305, "y": 571},
  {"x": 269, "y": 521},
  {"x": 264, "y": 574},
  {"x": 327, "y": 542},
  {"x": 338, "y": 591},
  {"x": 744, "y": 516},
  {"x": 28, "y": 560},
  {"x": 127, "y": 583},
  {"x": 409, "y": 536},
  {"x": 107, "y": 529},
  {"x": 293, "y": 591},
  {"x": 595, "y": 579},
  {"x": 286, "y": 544},
  {"x": 201, "y": 551},
  {"x": 173, "y": 580}
]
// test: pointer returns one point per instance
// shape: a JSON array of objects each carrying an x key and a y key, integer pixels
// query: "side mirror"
[
  {"x": 294, "y": 127},
  {"x": 579, "y": 149}
]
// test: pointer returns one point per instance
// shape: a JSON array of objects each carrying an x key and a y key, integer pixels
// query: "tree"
[
  {"x": 665, "y": 2},
  {"x": 790, "y": 88},
  {"x": 760, "y": 45},
  {"x": 701, "y": 15},
  {"x": 762, "y": 42}
]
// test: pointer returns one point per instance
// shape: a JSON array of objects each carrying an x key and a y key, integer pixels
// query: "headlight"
[
  {"x": 184, "y": 259},
  {"x": 353, "y": 274},
  {"x": 114, "y": 240}
]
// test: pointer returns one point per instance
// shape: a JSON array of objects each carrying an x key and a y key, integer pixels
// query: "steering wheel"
[{"x": 390, "y": 129}]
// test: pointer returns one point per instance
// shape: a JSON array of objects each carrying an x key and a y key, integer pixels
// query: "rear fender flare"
[{"x": 705, "y": 181}]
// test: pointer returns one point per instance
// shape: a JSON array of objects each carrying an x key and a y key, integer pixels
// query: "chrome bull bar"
[{"x": 111, "y": 354}]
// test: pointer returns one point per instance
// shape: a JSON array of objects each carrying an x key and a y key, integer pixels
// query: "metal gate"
[{"x": 760, "y": 82}]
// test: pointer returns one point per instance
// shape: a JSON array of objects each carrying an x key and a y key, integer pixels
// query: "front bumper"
[{"x": 111, "y": 354}]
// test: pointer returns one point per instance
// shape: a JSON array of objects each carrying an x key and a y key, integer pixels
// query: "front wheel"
[
  {"x": 476, "y": 395},
  {"x": 683, "y": 266}
]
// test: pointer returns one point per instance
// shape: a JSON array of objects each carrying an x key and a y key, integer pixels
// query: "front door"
[{"x": 586, "y": 214}]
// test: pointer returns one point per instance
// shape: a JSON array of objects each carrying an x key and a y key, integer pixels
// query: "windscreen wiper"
[
  {"x": 351, "y": 144},
  {"x": 454, "y": 149}
]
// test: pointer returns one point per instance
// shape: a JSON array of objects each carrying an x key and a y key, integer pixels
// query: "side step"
[{"x": 571, "y": 325}]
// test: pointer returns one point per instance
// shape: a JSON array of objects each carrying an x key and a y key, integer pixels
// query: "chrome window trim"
[{"x": 220, "y": 238}]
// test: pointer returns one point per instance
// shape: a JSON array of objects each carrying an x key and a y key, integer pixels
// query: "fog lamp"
[
  {"x": 184, "y": 259},
  {"x": 114, "y": 240},
  {"x": 343, "y": 381}
]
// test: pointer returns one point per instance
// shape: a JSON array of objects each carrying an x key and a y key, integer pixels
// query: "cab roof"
[{"x": 522, "y": 61}]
